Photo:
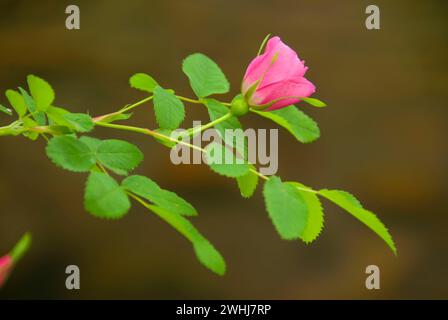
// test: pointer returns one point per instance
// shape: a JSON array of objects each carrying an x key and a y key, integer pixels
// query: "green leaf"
[
  {"x": 248, "y": 183},
  {"x": 60, "y": 130},
  {"x": 301, "y": 126},
  {"x": 41, "y": 92},
  {"x": 286, "y": 207},
  {"x": 71, "y": 154},
  {"x": 144, "y": 82},
  {"x": 92, "y": 143},
  {"x": 116, "y": 117},
  {"x": 315, "y": 221},
  {"x": 21, "y": 247},
  {"x": 237, "y": 140},
  {"x": 167, "y": 133},
  {"x": 148, "y": 189},
  {"x": 206, "y": 78},
  {"x": 80, "y": 122},
  {"x": 17, "y": 102},
  {"x": 31, "y": 105},
  {"x": 205, "y": 251},
  {"x": 348, "y": 202},
  {"x": 224, "y": 162},
  {"x": 30, "y": 123},
  {"x": 104, "y": 198},
  {"x": 209, "y": 256},
  {"x": 170, "y": 111},
  {"x": 119, "y": 156},
  {"x": 56, "y": 115},
  {"x": 314, "y": 102},
  {"x": 5, "y": 110}
]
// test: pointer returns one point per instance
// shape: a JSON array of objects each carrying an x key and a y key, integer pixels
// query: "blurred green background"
[{"x": 383, "y": 138}]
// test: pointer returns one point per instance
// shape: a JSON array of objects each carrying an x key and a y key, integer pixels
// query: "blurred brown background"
[{"x": 383, "y": 138}]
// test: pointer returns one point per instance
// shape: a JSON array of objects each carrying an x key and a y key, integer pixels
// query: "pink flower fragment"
[{"x": 275, "y": 79}]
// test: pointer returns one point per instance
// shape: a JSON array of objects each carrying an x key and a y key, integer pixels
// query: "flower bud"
[
  {"x": 276, "y": 78},
  {"x": 239, "y": 106},
  {"x": 6, "y": 264}
]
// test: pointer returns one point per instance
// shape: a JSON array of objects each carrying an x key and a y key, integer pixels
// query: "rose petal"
[
  {"x": 286, "y": 65},
  {"x": 6, "y": 264},
  {"x": 289, "y": 92}
]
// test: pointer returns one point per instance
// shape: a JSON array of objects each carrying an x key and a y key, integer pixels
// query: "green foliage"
[
  {"x": 144, "y": 82},
  {"x": 315, "y": 221},
  {"x": 352, "y": 205},
  {"x": 104, "y": 197},
  {"x": 118, "y": 155},
  {"x": 17, "y": 102},
  {"x": 71, "y": 154},
  {"x": 80, "y": 122},
  {"x": 248, "y": 183},
  {"x": 56, "y": 115},
  {"x": 39, "y": 116},
  {"x": 41, "y": 92},
  {"x": 286, "y": 207},
  {"x": 5, "y": 110},
  {"x": 205, "y": 251},
  {"x": 148, "y": 189},
  {"x": 314, "y": 102},
  {"x": 223, "y": 161},
  {"x": 301, "y": 126},
  {"x": 92, "y": 143},
  {"x": 170, "y": 111},
  {"x": 116, "y": 117},
  {"x": 21, "y": 247},
  {"x": 30, "y": 123},
  {"x": 166, "y": 133},
  {"x": 238, "y": 141},
  {"x": 81, "y": 155},
  {"x": 294, "y": 209},
  {"x": 208, "y": 255},
  {"x": 206, "y": 78}
]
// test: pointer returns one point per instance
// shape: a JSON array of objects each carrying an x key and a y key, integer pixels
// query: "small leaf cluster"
[{"x": 37, "y": 113}]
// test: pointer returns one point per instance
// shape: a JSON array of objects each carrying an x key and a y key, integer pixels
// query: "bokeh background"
[{"x": 383, "y": 138}]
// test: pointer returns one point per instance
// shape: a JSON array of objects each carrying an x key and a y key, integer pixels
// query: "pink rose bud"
[
  {"x": 6, "y": 264},
  {"x": 275, "y": 79},
  {"x": 8, "y": 261}
]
